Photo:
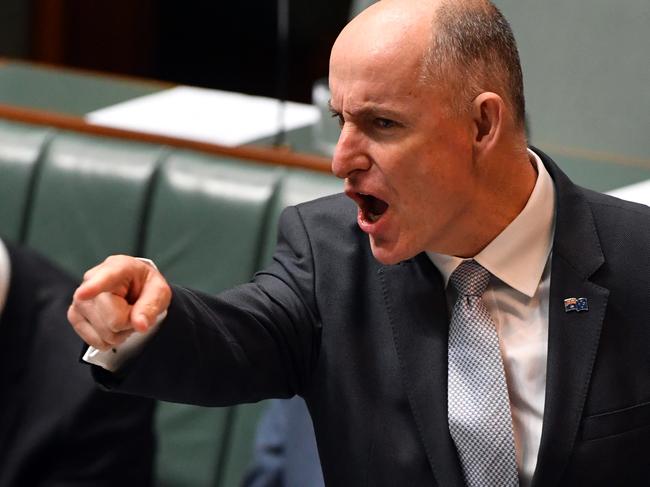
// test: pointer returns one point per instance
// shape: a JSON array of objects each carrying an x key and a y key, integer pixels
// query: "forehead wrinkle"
[
  {"x": 371, "y": 109},
  {"x": 367, "y": 104},
  {"x": 380, "y": 96}
]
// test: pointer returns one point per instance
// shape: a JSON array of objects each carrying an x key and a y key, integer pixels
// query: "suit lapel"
[
  {"x": 415, "y": 301},
  {"x": 573, "y": 336}
]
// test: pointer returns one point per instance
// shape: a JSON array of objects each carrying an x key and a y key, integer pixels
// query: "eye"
[
  {"x": 384, "y": 123},
  {"x": 339, "y": 116}
]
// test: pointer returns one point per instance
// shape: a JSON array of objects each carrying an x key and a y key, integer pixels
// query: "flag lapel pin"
[{"x": 575, "y": 304}]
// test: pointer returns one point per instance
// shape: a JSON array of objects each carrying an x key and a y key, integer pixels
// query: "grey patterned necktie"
[{"x": 478, "y": 407}]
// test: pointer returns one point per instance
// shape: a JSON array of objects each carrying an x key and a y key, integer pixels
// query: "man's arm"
[{"x": 255, "y": 341}]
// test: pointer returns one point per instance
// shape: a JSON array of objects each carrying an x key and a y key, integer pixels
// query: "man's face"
[{"x": 406, "y": 159}]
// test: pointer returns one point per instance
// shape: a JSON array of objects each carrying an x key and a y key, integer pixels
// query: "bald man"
[{"x": 357, "y": 313}]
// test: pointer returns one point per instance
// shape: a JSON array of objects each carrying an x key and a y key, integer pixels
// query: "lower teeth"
[{"x": 372, "y": 217}]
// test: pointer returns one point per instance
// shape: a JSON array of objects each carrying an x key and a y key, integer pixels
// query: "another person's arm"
[{"x": 59, "y": 428}]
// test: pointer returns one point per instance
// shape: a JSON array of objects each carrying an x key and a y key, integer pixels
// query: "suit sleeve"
[{"x": 256, "y": 341}]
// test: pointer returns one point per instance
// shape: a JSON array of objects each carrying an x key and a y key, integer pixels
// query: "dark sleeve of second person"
[
  {"x": 56, "y": 427},
  {"x": 255, "y": 341}
]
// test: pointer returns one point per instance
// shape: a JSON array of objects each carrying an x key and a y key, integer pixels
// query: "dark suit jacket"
[
  {"x": 56, "y": 427},
  {"x": 366, "y": 345}
]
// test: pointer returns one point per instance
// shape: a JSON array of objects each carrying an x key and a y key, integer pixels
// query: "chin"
[{"x": 388, "y": 254}]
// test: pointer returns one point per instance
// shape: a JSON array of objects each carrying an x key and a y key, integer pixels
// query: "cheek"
[
  {"x": 447, "y": 169},
  {"x": 427, "y": 188}
]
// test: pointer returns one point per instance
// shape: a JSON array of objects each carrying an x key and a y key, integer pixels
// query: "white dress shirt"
[
  {"x": 5, "y": 275},
  {"x": 517, "y": 298}
]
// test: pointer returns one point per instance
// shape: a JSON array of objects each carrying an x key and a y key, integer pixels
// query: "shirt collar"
[
  {"x": 5, "y": 271},
  {"x": 519, "y": 253}
]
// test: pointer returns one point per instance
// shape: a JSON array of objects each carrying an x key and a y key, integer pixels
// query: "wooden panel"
[
  {"x": 48, "y": 17},
  {"x": 259, "y": 154},
  {"x": 115, "y": 36}
]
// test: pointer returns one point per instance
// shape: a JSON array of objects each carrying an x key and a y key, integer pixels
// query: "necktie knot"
[{"x": 470, "y": 278}]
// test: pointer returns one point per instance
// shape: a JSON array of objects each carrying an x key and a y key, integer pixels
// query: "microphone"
[{"x": 282, "y": 68}]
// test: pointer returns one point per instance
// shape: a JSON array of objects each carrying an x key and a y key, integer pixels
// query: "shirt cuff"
[{"x": 114, "y": 358}]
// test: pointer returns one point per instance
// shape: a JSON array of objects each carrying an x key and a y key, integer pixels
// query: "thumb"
[
  {"x": 151, "y": 305},
  {"x": 142, "y": 322}
]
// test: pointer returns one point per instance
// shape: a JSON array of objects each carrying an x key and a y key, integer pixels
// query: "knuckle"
[
  {"x": 80, "y": 307},
  {"x": 112, "y": 324},
  {"x": 71, "y": 314},
  {"x": 120, "y": 259},
  {"x": 92, "y": 339},
  {"x": 77, "y": 327},
  {"x": 106, "y": 335},
  {"x": 75, "y": 318},
  {"x": 163, "y": 294},
  {"x": 113, "y": 262},
  {"x": 95, "y": 342},
  {"x": 166, "y": 290},
  {"x": 150, "y": 310},
  {"x": 111, "y": 339},
  {"x": 115, "y": 324}
]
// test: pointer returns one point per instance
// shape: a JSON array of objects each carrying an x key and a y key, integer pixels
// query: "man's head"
[
  {"x": 473, "y": 50},
  {"x": 431, "y": 125}
]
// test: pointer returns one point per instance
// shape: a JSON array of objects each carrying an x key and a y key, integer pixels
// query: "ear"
[{"x": 488, "y": 110}]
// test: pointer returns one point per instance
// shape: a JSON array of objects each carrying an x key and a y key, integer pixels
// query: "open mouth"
[{"x": 371, "y": 207}]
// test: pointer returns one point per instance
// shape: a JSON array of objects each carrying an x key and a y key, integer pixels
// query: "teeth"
[{"x": 372, "y": 217}]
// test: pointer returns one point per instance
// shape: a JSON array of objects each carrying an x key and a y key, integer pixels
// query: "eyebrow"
[{"x": 371, "y": 109}]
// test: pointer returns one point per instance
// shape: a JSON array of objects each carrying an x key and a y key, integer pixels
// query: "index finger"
[{"x": 115, "y": 275}]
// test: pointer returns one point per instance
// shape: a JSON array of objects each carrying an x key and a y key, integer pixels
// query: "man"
[
  {"x": 375, "y": 309},
  {"x": 56, "y": 427}
]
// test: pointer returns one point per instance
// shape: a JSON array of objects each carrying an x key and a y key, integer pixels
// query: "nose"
[{"x": 350, "y": 154}]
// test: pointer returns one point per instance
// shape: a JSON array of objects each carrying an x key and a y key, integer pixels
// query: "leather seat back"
[{"x": 89, "y": 199}]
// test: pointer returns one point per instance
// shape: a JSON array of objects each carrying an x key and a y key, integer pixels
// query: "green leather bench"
[{"x": 207, "y": 221}]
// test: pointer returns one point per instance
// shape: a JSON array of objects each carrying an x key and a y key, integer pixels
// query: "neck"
[{"x": 511, "y": 180}]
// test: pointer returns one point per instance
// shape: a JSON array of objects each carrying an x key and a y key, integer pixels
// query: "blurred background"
[{"x": 227, "y": 45}]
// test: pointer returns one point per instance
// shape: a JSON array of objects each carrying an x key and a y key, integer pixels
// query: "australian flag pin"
[{"x": 575, "y": 304}]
